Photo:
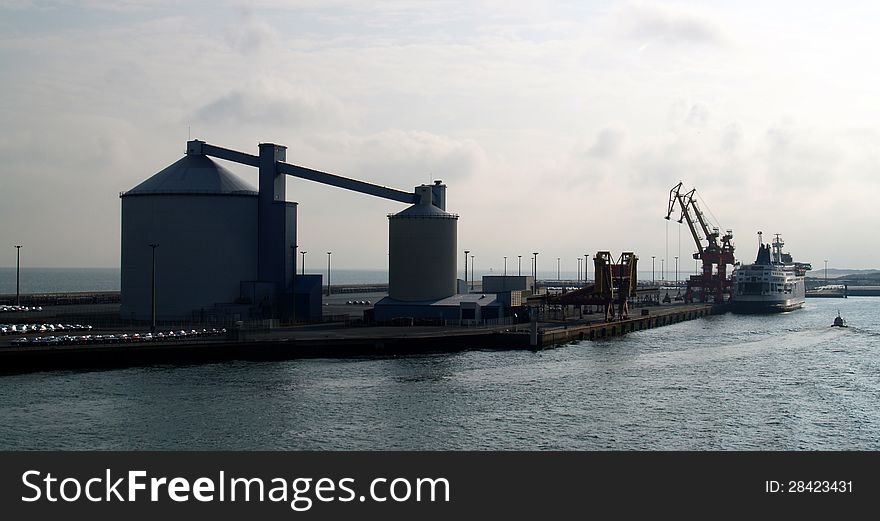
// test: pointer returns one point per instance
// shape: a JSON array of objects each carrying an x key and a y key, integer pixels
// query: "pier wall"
[
  {"x": 286, "y": 344},
  {"x": 656, "y": 317}
]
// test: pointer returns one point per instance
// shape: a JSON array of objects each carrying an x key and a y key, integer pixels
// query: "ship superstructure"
[{"x": 774, "y": 283}]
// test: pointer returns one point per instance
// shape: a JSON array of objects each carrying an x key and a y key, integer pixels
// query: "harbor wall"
[{"x": 335, "y": 343}]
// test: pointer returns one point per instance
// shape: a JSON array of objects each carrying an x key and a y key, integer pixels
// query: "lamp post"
[
  {"x": 535, "y": 290},
  {"x": 465, "y": 266},
  {"x": 586, "y": 268},
  {"x": 558, "y": 275},
  {"x": 520, "y": 265},
  {"x": 304, "y": 262},
  {"x": 662, "y": 270},
  {"x": 826, "y": 269},
  {"x": 153, "y": 292},
  {"x": 505, "y": 266},
  {"x": 676, "y": 270},
  {"x": 18, "y": 273},
  {"x": 328, "y": 272},
  {"x": 579, "y": 270},
  {"x": 652, "y": 269},
  {"x": 293, "y": 284},
  {"x": 472, "y": 272}
]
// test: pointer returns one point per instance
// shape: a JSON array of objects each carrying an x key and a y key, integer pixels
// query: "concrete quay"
[{"x": 336, "y": 341}]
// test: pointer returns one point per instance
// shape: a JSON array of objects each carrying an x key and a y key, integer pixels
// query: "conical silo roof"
[
  {"x": 193, "y": 174},
  {"x": 423, "y": 211}
]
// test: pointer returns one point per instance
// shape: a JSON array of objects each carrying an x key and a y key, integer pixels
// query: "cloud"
[
  {"x": 671, "y": 25},
  {"x": 121, "y": 6},
  {"x": 683, "y": 114},
  {"x": 17, "y": 4},
  {"x": 607, "y": 145},
  {"x": 271, "y": 103},
  {"x": 795, "y": 158},
  {"x": 731, "y": 137},
  {"x": 398, "y": 158},
  {"x": 698, "y": 116},
  {"x": 252, "y": 35}
]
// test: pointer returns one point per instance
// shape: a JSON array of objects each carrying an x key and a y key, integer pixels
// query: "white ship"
[{"x": 773, "y": 283}]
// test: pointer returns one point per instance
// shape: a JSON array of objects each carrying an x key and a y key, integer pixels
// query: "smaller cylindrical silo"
[{"x": 422, "y": 244}]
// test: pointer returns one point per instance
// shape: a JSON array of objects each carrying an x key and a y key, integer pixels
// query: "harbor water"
[{"x": 726, "y": 382}]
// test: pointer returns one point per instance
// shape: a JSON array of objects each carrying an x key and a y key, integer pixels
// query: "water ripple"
[{"x": 785, "y": 382}]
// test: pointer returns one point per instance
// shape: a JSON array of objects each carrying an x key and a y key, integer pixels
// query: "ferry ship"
[{"x": 774, "y": 283}]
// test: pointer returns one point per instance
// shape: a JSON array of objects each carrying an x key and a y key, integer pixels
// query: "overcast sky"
[{"x": 559, "y": 127}]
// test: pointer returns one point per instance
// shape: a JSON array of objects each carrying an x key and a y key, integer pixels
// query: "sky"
[{"x": 559, "y": 127}]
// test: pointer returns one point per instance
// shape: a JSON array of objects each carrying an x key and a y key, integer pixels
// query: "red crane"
[{"x": 716, "y": 254}]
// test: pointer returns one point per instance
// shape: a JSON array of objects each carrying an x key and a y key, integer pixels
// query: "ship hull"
[{"x": 764, "y": 306}]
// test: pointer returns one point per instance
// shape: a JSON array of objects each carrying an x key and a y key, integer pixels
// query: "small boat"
[{"x": 839, "y": 321}]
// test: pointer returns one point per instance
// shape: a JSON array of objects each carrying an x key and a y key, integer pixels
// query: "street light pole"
[
  {"x": 328, "y": 272},
  {"x": 466, "y": 267},
  {"x": 652, "y": 268},
  {"x": 826, "y": 269},
  {"x": 662, "y": 270},
  {"x": 558, "y": 276},
  {"x": 676, "y": 270},
  {"x": 586, "y": 269},
  {"x": 535, "y": 290},
  {"x": 153, "y": 285},
  {"x": 505, "y": 266},
  {"x": 472, "y": 272},
  {"x": 293, "y": 284},
  {"x": 304, "y": 262},
  {"x": 520, "y": 265},
  {"x": 18, "y": 273}
]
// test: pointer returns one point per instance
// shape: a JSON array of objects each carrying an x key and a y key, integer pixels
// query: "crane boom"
[
  {"x": 711, "y": 236},
  {"x": 713, "y": 281},
  {"x": 675, "y": 196}
]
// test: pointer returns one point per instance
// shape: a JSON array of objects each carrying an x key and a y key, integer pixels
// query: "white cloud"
[
  {"x": 542, "y": 118},
  {"x": 253, "y": 35},
  {"x": 661, "y": 23},
  {"x": 271, "y": 104},
  {"x": 608, "y": 143},
  {"x": 395, "y": 158}
]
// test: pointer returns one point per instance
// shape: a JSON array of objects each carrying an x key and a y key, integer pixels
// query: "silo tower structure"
[
  {"x": 422, "y": 245},
  {"x": 203, "y": 219},
  {"x": 220, "y": 244}
]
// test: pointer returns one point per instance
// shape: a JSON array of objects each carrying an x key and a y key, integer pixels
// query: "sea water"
[{"x": 756, "y": 382}]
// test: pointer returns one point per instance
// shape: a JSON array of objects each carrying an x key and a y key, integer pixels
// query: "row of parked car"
[
  {"x": 359, "y": 303},
  {"x": 5, "y": 308},
  {"x": 17, "y": 329},
  {"x": 120, "y": 338}
]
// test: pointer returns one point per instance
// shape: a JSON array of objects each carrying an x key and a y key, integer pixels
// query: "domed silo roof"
[{"x": 194, "y": 174}]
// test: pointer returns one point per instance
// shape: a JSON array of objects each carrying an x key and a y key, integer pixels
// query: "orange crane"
[{"x": 716, "y": 254}]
